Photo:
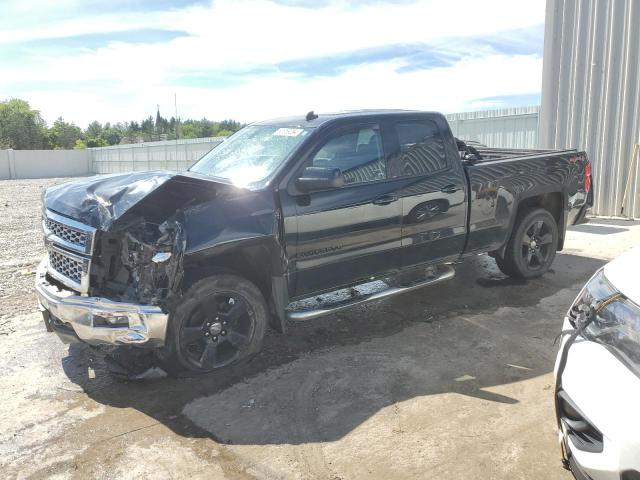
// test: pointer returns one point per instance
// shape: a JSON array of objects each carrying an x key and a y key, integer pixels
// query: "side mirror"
[{"x": 320, "y": 178}]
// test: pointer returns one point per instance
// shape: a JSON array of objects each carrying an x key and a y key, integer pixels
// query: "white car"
[{"x": 598, "y": 375}]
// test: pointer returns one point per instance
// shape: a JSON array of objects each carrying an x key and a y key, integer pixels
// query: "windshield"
[{"x": 251, "y": 155}]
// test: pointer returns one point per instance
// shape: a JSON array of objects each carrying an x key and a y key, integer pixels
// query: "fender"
[
  {"x": 539, "y": 199},
  {"x": 259, "y": 258}
]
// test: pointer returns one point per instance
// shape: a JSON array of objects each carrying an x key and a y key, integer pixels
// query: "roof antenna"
[{"x": 311, "y": 116}]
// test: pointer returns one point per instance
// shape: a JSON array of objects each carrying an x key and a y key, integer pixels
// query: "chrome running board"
[{"x": 296, "y": 311}]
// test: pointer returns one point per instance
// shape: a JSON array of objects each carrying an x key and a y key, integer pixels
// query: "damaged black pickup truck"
[{"x": 287, "y": 220}]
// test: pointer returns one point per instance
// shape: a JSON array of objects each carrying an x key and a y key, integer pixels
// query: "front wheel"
[
  {"x": 532, "y": 246},
  {"x": 221, "y": 321}
]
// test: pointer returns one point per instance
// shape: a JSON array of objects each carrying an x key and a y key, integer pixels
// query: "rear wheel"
[
  {"x": 532, "y": 245},
  {"x": 221, "y": 321}
]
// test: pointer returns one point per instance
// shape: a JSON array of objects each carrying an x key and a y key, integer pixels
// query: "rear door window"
[{"x": 422, "y": 150}]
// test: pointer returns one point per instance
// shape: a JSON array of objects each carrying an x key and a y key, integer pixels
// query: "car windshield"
[{"x": 251, "y": 155}]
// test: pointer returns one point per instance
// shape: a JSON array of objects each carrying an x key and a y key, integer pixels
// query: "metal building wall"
[
  {"x": 591, "y": 92},
  {"x": 506, "y": 127}
]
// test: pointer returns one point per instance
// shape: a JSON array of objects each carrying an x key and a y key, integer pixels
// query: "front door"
[{"x": 348, "y": 234}]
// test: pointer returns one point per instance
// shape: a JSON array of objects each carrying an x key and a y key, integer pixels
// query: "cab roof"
[{"x": 323, "y": 118}]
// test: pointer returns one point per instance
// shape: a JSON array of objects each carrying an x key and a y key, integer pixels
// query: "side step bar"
[{"x": 444, "y": 272}]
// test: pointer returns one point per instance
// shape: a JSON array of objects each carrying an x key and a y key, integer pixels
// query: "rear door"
[
  {"x": 434, "y": 190},
  {"x": 348, "y": 234}
]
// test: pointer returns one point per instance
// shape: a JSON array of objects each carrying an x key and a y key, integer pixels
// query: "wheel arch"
[
  {"x": 258, "y": 259},
  {"x": 553, "y": 202}
]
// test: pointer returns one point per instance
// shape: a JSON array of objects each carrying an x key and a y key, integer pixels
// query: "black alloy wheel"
[
  {"x": 532, "y": 246},
  {"x": 220, "y": 321},
  {"x": 217, "y": 331},
  {"x": 537, "y": 244}
]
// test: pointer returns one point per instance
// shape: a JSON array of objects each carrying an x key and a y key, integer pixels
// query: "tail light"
[{"x": 587, "y": 177}]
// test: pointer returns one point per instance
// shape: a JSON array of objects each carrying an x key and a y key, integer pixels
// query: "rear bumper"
[{"x": 96, "y": 320}]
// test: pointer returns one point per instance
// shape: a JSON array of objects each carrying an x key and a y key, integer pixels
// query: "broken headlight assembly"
[{"x": 609, "y": 318}]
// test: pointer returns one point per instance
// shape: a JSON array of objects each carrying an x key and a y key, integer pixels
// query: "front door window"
[{"x": 357, "y": 153}]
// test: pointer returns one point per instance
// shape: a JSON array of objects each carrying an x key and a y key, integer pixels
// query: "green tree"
[
  {"x": 189, "y": 130},
  {"x": 94, "y": 130},
  {"x": 132, "y": 128},
  {"x": 230, "y": 125},
  {"x": 63, "y": 135},
  {"x": 162, "y": 124},
  {"x": 207, "y": 128},
  {"x": 113, "y": 134},
  {"x": 21, "y": 127},
  {"x": 95, "y": 142},
  {"x": 94, "y": 136},
  {"x": 147, "y": 125}
]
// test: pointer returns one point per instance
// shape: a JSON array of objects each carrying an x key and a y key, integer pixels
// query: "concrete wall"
[
  {"x": 507, "y": 127},
  {"x": 6, "y": 160},
  {"x": 166, "y": 155},
  {"x": 591, "y": 92},
  {"x": 44, "y": 163}
]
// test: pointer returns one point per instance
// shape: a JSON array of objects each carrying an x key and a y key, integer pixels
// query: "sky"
[{"x": 115, "y": 60}]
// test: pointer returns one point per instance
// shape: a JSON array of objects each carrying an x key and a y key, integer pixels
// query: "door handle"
[
  {"x": 449, "y": 189},
  {"x": 385, "y": 199}
]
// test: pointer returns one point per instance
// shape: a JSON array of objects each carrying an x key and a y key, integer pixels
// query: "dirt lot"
[{"x": 454, "y": 381}]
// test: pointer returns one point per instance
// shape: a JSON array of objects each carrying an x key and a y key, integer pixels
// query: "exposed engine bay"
[{"x": 142, "y": 262}]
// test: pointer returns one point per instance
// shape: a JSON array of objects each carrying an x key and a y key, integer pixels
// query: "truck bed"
[
  {"x": 489, "y": 153},
  {"x": 504, "y": 176}
]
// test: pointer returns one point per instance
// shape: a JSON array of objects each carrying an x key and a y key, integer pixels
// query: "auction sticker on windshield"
[{"x": 288, "y": 132}]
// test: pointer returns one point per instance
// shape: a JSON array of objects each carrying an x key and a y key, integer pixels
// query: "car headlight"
[{"x": 615, "y": 320}]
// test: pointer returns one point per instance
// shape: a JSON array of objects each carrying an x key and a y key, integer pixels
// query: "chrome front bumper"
[{"x": 99, "y": 321}]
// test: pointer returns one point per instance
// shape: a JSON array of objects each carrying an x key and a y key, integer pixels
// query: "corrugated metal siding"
[
  {"x": 506, "y": 128},
  {"x": 591, "y": 92}
]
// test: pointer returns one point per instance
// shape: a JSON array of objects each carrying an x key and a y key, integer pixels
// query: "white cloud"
[{"x": 123, "y": 81}]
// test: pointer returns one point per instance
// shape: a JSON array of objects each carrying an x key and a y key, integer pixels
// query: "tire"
[
  {"x": 532, "y": 246},
  {"x": 221, "y": 321}
]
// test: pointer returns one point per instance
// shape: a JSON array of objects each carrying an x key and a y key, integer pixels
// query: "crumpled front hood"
[
  {"x": 99, "y": 201},
  {"x": 211, "y": 211}
]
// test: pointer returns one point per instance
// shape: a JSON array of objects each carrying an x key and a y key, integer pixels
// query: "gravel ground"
[
  {"x": 452, "y": 381},
  {"x": 21, "y": 246}
]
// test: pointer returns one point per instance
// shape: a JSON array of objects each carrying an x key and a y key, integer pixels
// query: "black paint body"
[{"x": 294, "y": 244}]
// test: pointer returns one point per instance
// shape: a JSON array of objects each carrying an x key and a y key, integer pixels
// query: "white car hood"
[{"x": 622, "y": 273}]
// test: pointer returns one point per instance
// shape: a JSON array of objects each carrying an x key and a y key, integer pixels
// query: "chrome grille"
[
  {"x": 70, "y": 246},
  {"x": 68, "y": 234},
  {"x": 69, "y": 267}
]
